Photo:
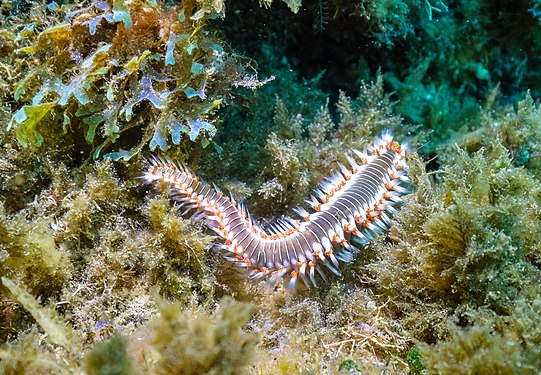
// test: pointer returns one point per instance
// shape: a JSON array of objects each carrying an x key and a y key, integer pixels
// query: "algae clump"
[
  {"x": 122, "y": 75},
  {"x": 201, "y": 344}
]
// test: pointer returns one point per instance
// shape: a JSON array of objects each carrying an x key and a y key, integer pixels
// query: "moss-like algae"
[
  {"x": 464, "y": 246},
  {"x": 109, "y": 358},
  {"x": 29, "y": 253},
  {"x": 203, "y": 344},
  {"x": 472, "y": 242},
  {"x": 301, "y": 151},
  {"x": 446, "y": 262},
  {"x": 497, "y": 345},
  {"x": 87, "y": 247}
]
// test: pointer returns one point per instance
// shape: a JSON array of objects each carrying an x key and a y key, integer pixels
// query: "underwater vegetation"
[
  {"x": 117, "y": 67},
  {"x": 292, "y": 153},
  {"x": 439, "y": 65},
  {"x": 103, "y": 275}
]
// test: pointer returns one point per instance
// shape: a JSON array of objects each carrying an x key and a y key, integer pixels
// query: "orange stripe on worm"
[{"x": 348, "y": 205}]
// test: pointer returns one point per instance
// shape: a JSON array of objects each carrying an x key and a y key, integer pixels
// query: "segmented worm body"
[{"x": 347, "y": 208}]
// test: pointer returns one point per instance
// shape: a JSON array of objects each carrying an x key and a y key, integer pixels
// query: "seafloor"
[{"x": 101, "y": 274}]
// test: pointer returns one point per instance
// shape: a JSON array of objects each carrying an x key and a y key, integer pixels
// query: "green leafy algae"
[
  {"x": 454, "y": 284},
  {"x": 130, "y": 67},
  {"x": 28, "y": 118}
]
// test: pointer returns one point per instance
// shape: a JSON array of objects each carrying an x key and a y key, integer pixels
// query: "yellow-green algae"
[
  {"x": 300, "y": 152},
  {"x": 85, "y": 246},
  {"x": 463, "y": 246}
]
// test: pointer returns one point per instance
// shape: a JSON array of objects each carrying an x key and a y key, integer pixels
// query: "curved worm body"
[{"x": 348, "y": 207}]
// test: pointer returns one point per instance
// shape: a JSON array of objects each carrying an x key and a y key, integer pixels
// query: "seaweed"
[
  {"x": 31, "y": 355},
  {"x": 516, "y": 126},
  {"x": 29, "y": 252},
  {"x": 470, "y": 244},
  {"x": 300, "y": 152},
  {"x": 102, "y": 276},
  {"x": 203, "y": 344},
  {"x": 57, "y": 333},
  {"x": 27, "y": 355},
  {"x": 180, "y": 342},
  {"x": 109, "y": 358},
  {"x": 286, "y": 158},
  {"x": 135, "y": 68},
  {"x": 497, "y": 344},
  {"x": 81, "y": 242},
  {"x": 317, "y": 332}
]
